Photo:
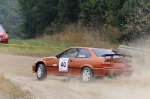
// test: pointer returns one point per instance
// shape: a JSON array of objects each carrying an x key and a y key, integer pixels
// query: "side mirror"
[{"x": 58, "y": 55}]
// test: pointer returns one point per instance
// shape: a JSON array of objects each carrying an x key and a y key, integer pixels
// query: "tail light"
[
  {"x": 106, "y": 64},
  {"x": 129, "y": 64}
]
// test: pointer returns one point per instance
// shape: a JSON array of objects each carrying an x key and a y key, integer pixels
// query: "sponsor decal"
[{"x": 54, "y": 65}]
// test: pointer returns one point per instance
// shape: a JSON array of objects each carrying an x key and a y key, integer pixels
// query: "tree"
[
  {"x": 9, "y": 17},
  {"x": 139, "y": 21},
  {"x": 36, "y": 16},
  {"x": 137, "y": 18},
  {"x": 98, "y": 12},
  {"x": 68, "y": 11},
  {"x": 27, "y": 9},
  {"x": 46, "y": 13}
]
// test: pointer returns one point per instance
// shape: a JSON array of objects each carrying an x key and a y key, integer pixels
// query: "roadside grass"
[
  {"x": 11, "y": 90},
  {"x": 38, "y": 52},
  {"x": 83, "y": 36},
  {"x": 71, "y": 36},
  {"x": 38, "y": 42},
  {"x": 35, "y": 47}
]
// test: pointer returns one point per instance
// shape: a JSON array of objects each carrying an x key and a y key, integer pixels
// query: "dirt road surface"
[{"x": 18, "y": 70}]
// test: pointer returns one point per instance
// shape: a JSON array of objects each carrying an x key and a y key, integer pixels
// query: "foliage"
[
  {"x": 9, "y": 17},
  {"x": 40, "y": 17},
  {"x": 68, "y": 11},
  {"x": 99, "y": 12},
  {"x": 93, "y": 12},
  {"x": 36, "y": 16},
  {"x": 138, "y": 21}
]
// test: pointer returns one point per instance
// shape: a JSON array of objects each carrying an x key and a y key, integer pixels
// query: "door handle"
[{"x": 70, "y": 61}]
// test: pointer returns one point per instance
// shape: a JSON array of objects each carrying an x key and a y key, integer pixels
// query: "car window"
[
  {"x": 1, "y": 29},
  {"x": 71, "y": 53},
  {"x": 100, "y": 52},
  {"x": 84, "y": 54}
]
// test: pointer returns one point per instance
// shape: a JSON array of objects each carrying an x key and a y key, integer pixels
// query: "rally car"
[
  {"x": 83, "y": 62},
  {"x": 3, "y": 35}
]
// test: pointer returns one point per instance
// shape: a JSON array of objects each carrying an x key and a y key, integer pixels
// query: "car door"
[
  {"x": 64, "y": 64},
  {"x": 82, "y": 59}
]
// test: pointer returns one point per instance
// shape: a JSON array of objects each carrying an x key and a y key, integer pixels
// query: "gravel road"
[{"x": 18, "y": 70}]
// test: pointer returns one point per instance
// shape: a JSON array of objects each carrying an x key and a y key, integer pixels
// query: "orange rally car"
[{"x": 84, "y": 62}]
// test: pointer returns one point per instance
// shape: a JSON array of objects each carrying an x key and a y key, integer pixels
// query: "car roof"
[{"x": 89, "y": 47}]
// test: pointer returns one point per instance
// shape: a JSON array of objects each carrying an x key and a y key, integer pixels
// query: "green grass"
[
  {"x": 35, "y": 47},
  {"x": 39, "y": 42}
]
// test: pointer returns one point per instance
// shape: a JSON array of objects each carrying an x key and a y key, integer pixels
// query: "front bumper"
[
  {"x": 4, "y": 40},
  {"x": 33, "y": 68}
]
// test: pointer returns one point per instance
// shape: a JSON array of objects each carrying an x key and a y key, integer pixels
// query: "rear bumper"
[{"x": 105, "y": 71}]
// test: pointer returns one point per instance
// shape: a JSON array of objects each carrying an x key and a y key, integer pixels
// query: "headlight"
[{"x": 6, "y": 36}]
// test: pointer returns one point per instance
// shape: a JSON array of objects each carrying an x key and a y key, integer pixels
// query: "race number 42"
[{"x": 63, "y": 64}]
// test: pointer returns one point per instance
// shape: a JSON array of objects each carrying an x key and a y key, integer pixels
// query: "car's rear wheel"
[
  {"x": 41, "y": 72},
  {"x": 86, "y": 74}
]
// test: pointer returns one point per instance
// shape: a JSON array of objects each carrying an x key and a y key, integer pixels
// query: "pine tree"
[
  {"x": 36, "y": 16},
  {"x": 68, "y": 11}
]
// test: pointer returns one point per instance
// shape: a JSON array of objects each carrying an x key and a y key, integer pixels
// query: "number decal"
[{"x": 63, "y": 64}]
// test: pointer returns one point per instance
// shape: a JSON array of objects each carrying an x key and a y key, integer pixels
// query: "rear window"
[
  {"x": 100, "y": 52},
  {"x": 84, "y": 54},
  {"x": 1, "y": 29}
]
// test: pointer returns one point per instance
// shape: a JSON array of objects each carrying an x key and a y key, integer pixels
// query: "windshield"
[
  {"x": 100, "y": 52},
  {"x": 1, "y": 29}
]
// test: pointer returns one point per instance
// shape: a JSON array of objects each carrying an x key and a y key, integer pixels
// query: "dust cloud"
[{"x": 136, "y": 86}]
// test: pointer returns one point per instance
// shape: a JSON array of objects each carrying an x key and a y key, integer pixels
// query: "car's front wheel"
[
  {"x": 41, "y": 72},
  {"x": 87, "y": 75}
]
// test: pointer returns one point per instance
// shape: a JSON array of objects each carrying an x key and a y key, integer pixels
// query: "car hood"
[
  {"x": 46, "y": 58},
  {"x": 3, "y": 33}
]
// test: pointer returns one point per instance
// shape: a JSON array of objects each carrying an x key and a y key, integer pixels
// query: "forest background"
[{"x": 118, "y": 21}]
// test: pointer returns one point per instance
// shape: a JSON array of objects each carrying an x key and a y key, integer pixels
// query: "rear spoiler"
[{"x": 117, "y": 55}]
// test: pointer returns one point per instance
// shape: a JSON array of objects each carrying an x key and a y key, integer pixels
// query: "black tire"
[
  {"x": 41, "y": 72},
  {"x": 87, "y": 75}
]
